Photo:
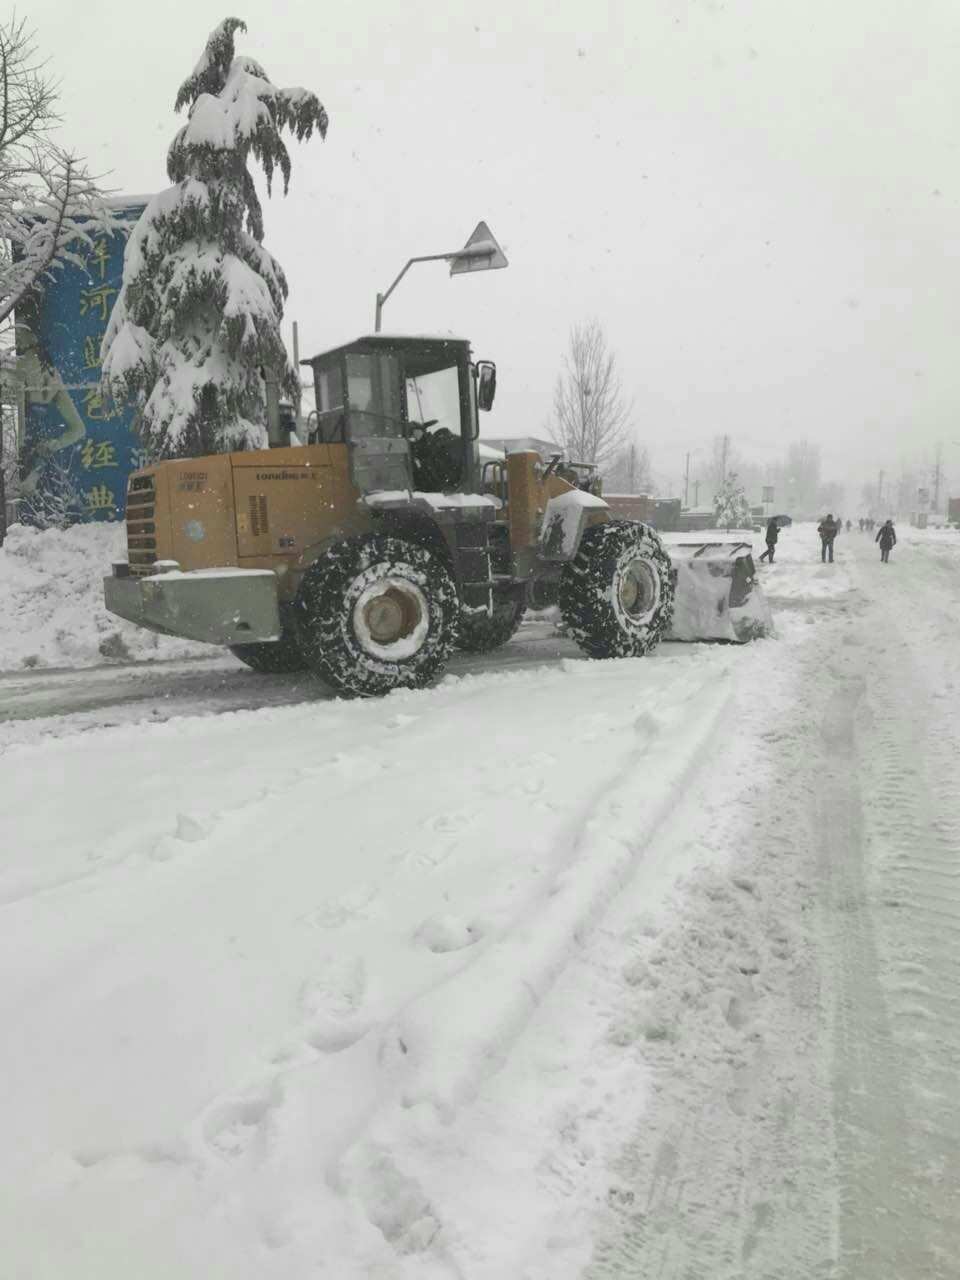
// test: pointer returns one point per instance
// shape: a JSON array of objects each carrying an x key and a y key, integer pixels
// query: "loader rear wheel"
[
  {"x": 616, "y": 595},
  {"x": 375, "y": 613},
  {"x": 278, "y": 657},
  {"x": 481, "y": 634}
]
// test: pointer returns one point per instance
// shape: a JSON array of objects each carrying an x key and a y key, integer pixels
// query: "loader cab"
[{"x": 406, "y": 408}]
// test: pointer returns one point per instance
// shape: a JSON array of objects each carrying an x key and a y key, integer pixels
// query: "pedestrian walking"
[
  {"x": 828, "y": 528},
  {"x": 887, "y": 537},
  {"x": 773, "y": 533},
  {"x": 860, "y": 523},
  {"x": 849, "y": 525}
]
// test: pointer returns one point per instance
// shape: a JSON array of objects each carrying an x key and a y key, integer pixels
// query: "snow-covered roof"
[{"x": 126, "y": 202}]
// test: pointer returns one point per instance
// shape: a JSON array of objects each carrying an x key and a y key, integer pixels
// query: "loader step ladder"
[{"x": 471, "y": 547}]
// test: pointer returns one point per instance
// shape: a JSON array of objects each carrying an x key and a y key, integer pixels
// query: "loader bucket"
[{"x": 717, "y": 594}]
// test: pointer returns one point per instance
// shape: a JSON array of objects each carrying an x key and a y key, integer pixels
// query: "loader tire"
[
  {"x": 616, "y": 595},
  {"x": 375, "y": 613},
  {"x": 481, "y": 634},
  {"x": 271, "y": 658}
]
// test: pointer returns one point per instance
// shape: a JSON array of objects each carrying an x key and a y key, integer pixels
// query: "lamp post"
[
  {"x": 690, "y": 453},
  {"x": 480, "y": 253}
]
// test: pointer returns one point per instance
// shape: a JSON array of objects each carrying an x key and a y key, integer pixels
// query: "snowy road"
[
  {"x": 560, "y": 969},
  {"x": 60, "y": 699}
]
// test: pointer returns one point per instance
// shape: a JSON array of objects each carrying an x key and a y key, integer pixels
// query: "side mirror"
[{"x": 487, "y": 386}]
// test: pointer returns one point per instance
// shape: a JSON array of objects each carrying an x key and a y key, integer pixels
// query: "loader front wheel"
[
  {"x": 376, "y": 613},
  {"x": 480, "y": 634},
  {"x": 616, "y": 595}
]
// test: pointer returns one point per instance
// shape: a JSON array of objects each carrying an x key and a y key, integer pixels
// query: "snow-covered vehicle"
[{"x": 367, "y": 553}]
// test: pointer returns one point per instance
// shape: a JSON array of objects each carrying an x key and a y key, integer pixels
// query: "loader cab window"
[
  {"x": 433, "y": 412},
  {"x": 331, "y": 411},
  {"x": 373, "y": 395}
]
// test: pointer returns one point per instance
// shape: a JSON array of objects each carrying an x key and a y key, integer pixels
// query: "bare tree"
[
  {"x": 723, "y": 460},
  {"x": 589, "y": 411},
  {"x": 630, "y": 471},
  {"x": 49, "y": 203}
]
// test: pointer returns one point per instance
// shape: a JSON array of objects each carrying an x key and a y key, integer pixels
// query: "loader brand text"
[
  {"x": 191, "y": 481},
  {"x": 283, "y": 475}
]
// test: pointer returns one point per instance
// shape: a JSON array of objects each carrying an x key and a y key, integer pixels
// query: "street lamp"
[{"x": 480, "y": 253}]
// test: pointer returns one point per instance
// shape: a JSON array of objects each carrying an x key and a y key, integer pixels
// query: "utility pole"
[
  {"x": 937, "y": 472},
  {"x": 880, "y": 493},
  {"x": 696, "y": 493},
  {"x": 686, "y": 483}
]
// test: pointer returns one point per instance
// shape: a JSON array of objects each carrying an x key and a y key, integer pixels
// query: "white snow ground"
[{"x": 582, "y": 969}]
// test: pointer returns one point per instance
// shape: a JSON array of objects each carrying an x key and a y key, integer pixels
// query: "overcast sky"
[{"x": 758, "y": 199}]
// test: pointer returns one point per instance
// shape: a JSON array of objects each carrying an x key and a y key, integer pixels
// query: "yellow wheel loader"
[{"x": 369, "y": 552}]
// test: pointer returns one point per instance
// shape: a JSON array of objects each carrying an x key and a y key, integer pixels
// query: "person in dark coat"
[
  {"x": 773, "y": 533},
  {"x": 887, "y": 537},
  {"x": 828, "y": 528}
]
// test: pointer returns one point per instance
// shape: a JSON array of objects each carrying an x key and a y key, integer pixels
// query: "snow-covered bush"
[
  {"x": 198, "y": 316},
  {"x": 58, "y": 503},
  {"x": 730, "y": 505}
]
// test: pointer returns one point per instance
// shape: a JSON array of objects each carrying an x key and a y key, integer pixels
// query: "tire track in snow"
[
  {"x": 439, "y": 1058},
  {"x": 730, "y": 1173},
  {"x": 909, "y": 747},
  {"x": 871, "y": 1124}
]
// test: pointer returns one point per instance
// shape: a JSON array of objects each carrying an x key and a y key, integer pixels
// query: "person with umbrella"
[{"x": 887, "y": 537}]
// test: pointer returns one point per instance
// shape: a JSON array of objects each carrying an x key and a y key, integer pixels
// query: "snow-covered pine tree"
[
  {"x": 731, "y": 506},
  {"x": 198, "y": 315}
]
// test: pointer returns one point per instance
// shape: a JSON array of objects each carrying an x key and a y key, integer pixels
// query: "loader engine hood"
[{"x": 717, "y": 595}]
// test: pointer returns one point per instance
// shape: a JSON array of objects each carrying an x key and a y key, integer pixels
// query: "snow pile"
[{"x": 52, "y": 602}]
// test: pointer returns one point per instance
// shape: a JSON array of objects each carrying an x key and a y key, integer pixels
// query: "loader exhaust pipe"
[{"x": 276, "y": 434}]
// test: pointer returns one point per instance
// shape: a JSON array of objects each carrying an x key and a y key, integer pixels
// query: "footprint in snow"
[
  {"x": 401, "y": 721},
  {"x": 188, "y": 830},
  {"x": 443, "y": 933},
  {"x": 337, "y": 990},
  {"x": 331, "y": 1008},
  {"x": 337, "y": 912},
  {"x": 431, "y": 858},
  {"x": 446, "y": 823},
  {"x": 235, "y": 1127}
]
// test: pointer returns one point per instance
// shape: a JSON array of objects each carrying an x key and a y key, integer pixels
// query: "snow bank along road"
[{"x": 583, "y": 969}]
